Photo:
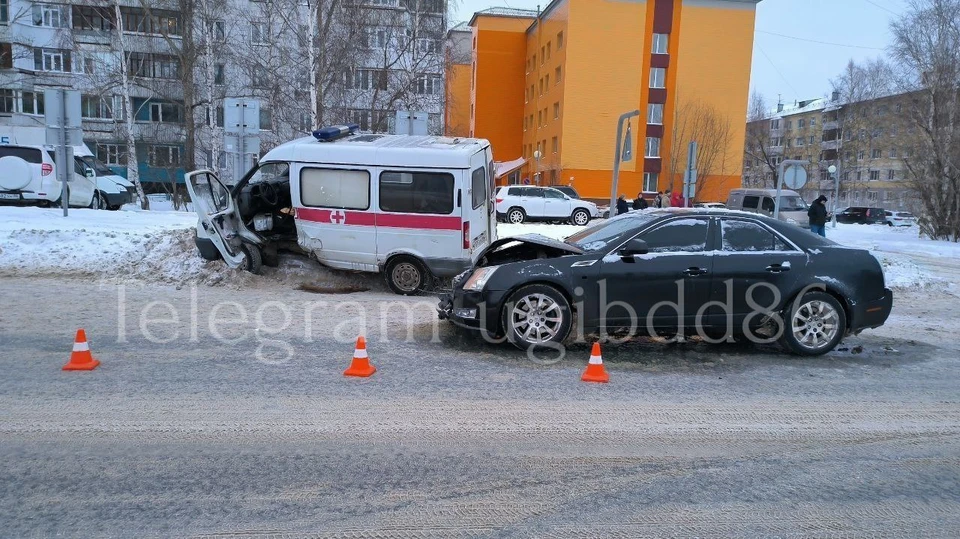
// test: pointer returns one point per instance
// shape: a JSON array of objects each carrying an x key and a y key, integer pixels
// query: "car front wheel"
[
  {"x": 580, "y": 217},
  {"x": 536, "y": 316},
  {"x": 815, "y": 324}
]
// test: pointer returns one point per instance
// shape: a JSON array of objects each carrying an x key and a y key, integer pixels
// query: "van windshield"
[
  {"x": 792, "y": 203},
  {"x": 98, "y": 167}
]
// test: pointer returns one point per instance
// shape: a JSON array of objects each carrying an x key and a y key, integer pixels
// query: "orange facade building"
[{"x": 553, "y": 84}]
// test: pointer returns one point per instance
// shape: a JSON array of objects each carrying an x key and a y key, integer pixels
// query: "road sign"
[
  {"x": 526, "y": 181},
  {"x": 62, "y": 115},
  {"x": 795, "y": 177},
  {"x": 411, "y": 123},
  {"x": 241, "y": 128}
]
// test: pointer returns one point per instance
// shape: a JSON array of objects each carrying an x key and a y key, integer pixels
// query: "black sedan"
[{"x": 719, "y": 274}]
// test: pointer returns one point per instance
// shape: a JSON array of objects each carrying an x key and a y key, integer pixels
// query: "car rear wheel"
[
  {"x": 516, "y": 216},
  {"x": 580, "y": 217},
  {"x": 535, "y": 316},
  {"x": 407, "y": 276},
  {"x": 814, "y": 325}
]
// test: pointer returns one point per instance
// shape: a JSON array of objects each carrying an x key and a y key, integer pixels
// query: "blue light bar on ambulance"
[{"x": 330, "y": 134}]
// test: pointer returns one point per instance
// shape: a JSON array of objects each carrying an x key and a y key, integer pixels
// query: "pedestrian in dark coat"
[
  {"x": 640, "y": 203},
  {"x": 622, "y": 206},
  {"x": 818, "y": 216}
]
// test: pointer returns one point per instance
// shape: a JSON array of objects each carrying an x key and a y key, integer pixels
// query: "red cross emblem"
[{"x": 338, "y": 217}]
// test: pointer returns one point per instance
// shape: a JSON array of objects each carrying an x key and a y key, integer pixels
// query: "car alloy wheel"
[
  {"x": 581, "y": 217},
  {"x": 536, "y": 315},
  {"x": 815, "y": 324},
  {"x": 516, "y": 216}
]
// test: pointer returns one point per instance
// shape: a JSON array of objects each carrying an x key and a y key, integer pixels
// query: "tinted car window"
[
  {"x": 751, "y": 202},
  {"x": 569, "y": 191},
  {"x": 746, "y": 236},
  {"x": 532, "y": 192},
  {"x": 683, "y": 235},
  {"x": 768, "y": 204},
  {"x": 553, "y": 193},
  {"x": 416, "y": 192},
  {"x": 603, "y": 236},
  {"x": 30, "y": 155}
]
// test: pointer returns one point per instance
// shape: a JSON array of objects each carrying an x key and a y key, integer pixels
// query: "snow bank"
[{"x": 134, "y": 245}]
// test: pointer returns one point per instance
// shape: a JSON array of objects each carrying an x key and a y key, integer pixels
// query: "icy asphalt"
[{"x": 453, "y": 437}]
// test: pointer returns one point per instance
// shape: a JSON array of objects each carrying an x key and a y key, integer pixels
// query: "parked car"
[
  {"x": 862, "y": 216},
  {"x": 517, "y": 204},
  {"x": 793, "y": 209},
  {"x": 415, "y": 208},
  {"x": 523, "y": 288},
  {"x": 714, "y": 205},
  {"x": 900, "y": 218}
]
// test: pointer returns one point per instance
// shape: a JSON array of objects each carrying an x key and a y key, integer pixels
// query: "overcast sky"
[{"x": 793, "y": 67}]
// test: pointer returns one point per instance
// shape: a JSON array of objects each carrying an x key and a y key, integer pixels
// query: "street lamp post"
[{"x": 832, "y": 169}]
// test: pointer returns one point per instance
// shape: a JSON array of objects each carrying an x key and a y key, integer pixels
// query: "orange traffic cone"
[
  {"x": 81, "y": 359},
  {"x": 595, "y": 371},
  {"x": 361, "y": 363}
]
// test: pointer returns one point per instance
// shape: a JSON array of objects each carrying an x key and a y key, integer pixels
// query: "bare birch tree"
[
  {"x": 760, "y": 158},
  {"x": 703, "y": 123}
]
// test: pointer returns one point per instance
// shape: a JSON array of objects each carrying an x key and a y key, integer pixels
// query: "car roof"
[{"x": 382, "y": 150}]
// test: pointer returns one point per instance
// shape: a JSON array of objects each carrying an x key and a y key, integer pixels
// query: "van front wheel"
[
  {"x": 407, "y": 276},
  {"x": 253, "y": 259}
]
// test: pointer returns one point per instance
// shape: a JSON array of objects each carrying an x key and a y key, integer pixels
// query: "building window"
[
  {"x": 789, "y": 124},
  {"x": 660, "y": 43},
  {"x": 112, "y": 154},
  {"x": 549, "y": 46},
  {"x": 429, "y": 85},
  {"x": 650, "y": 182},
  {"x": 218, "y": 74},
  {"x": 546, "y": 82},
  {"x": 861, "y": 155},
  {"x": 154, "y": 66},
  {"x": 93, "y": 18},
  {"x": 259, "y": 78},
  {"x": 653, "y": 147},
  {"x": 658, "y": 77},
  {"x": 218, "y": 31},
  {"x": 557, "y": 73},
  {"x": 6, "y": 56},
  {"x": 147, "y": 110},
  {"x": 33, "y": 103},
  {"x": 891, "y": 175},
  {"x": 655, "y": 113},
  {"x": 775, "y": 123},
  {"x": 427, "y": 46},
  {"x": 560, "y": 41},
  {"x": 556, "y": 111},
  {"x": 801, "y": 123},
  {"x": 893, "y": 153},
  {"x": 95, "y": 107},
  {"x": 871, "y": 196},
  {"x": 555, "y": 144},
  {"x": 163, "y": 156},
  {"x": 874, "y": 175},
  {"x": 800, "y": 142},
  {"x": 8, "y": 101},
  {"x": 266, "y": 118},
  {"x": 54, "y": 60},
  {"x": 876, "y": 154},
  {"x": 259, "y": 32},
  {"x": 50, "y": 15},
  {"x": 163, "y": 22},
  {"x": 367, "y": 79},
  {"x": 5, "y": 11},
  {"x": 813, "y": 122}
]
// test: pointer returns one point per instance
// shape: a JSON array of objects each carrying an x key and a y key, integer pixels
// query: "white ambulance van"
[{"x": 416, "y": 208}]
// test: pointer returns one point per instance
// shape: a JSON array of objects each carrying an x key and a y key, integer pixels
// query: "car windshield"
[
  {"x": 599, "y": 237},
  {"x": 98, "y": 167},
  {"x": 792, "y": 203}
]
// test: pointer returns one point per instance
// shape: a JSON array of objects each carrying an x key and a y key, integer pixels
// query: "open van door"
[
  {"x": 218, "y": 216},
  {"x": 478, "y": 211}
]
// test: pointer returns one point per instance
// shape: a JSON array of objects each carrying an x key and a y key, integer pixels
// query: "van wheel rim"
[
  {"x": 516, "y": 217},
  {"x": 536, "y": 318},
  {"x": 580, "y": 218},
  {"x": 406, "y": 276},
  {"x": 815, "y": 324}
]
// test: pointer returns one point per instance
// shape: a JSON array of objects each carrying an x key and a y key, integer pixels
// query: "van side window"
[
  {"x": 751, "y": 202},
  {"x": 478, "y": 187},
  {"x": 332, "y": 188},
  {"x": 416, "y": 192},
  {"x": 768, "y": 204}
]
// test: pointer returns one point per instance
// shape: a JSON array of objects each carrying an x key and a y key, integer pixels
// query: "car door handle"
[
  {"x": 693, "y": 272},
  {"x": 778, "y": 268}
]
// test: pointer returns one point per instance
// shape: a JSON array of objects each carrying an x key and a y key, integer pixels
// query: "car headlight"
[{"x": 479, "y": 279}]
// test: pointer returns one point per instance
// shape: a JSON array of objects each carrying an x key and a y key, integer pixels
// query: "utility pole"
[{"x": 617, "y": 157}]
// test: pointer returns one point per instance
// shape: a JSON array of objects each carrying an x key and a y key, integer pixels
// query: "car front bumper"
[
  {"x": 119, "y": 199},
  {"x": 479, "y": 311}
]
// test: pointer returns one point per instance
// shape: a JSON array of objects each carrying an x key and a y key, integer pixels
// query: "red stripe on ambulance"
[{"x": 389, "y": 220}]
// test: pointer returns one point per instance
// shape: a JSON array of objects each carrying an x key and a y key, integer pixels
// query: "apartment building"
[
  {"x": 364, "y": 60},
  {"x": 865, "y": 140},
  {"x": 549, "y": 87}
]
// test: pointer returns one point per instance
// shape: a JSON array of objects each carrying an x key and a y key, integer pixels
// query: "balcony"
[
  {"x": 776, "y": 150},
  {"x": 830, "y": 145},
  {"x": 830, "y": 125}
]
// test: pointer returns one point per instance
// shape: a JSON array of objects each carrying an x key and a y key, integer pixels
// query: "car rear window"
[{"x": 30, "y": 155}]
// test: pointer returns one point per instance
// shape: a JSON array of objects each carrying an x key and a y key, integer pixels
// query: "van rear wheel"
[{"x": 407, "y": 276}]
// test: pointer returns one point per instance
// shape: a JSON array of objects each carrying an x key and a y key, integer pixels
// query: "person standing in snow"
[
  {"x": 818, "y": 216},
  {"x": 640, "y": 203},
  {"x": 622, "y": 206},
  {"x": 658, "y": 200},
  {"x": 676, "y": 200},
  {"x": 665, "y": 199}
]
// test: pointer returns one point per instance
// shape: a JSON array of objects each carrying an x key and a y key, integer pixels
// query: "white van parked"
[
  {"x": 28, "y": 174},
  {"x": 414, "y": 207},
  {"x": 793, "y": 209}
]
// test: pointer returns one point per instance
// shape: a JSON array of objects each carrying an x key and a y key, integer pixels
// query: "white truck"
[{"x": 28, "y": 174}]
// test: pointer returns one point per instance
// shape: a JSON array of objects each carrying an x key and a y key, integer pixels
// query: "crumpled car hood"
[{"x": 534, "y": 239}]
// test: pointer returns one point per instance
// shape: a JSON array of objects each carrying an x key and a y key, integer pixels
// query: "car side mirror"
[
  {"x": 89, "y": 173},
  {"x": 634, "y": 247}
]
